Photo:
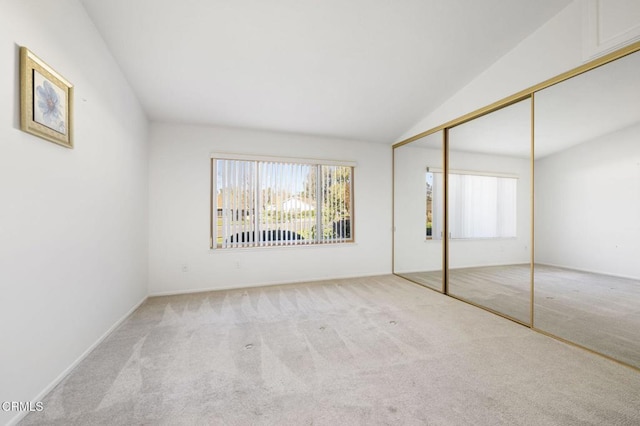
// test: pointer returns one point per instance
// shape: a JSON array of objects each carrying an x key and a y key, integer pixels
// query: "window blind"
[{"x": 268, "y": 202}]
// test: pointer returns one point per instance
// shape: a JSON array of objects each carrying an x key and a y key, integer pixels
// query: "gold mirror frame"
[{"x": 517, "y": 97}]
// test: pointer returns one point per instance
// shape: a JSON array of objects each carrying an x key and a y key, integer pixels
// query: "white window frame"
[{"x": 290, "y": 160}]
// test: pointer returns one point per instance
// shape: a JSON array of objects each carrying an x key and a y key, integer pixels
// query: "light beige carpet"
[
  {"x": 363, "y": 351},
  {"x": 600, "y": 312}
]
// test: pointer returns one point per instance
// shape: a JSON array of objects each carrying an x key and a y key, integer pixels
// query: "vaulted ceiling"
[{"x": 355, "y": 69}]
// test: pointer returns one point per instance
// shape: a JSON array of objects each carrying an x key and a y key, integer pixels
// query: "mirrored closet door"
[
  {"x": 587, "y": 209},
  {"x": 419, "y": 211},
  {"x": 530, "y": 207},
  {"x": 489, "y": 211}
]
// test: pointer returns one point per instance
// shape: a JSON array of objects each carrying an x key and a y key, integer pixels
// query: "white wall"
[
  {"x": 179, "y": 212},
  {"x": 73, "y": 234},
  {"x": 588, "y": 205}
]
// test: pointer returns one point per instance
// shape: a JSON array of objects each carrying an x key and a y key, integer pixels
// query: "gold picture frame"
[{"x": 46, "y": 101}]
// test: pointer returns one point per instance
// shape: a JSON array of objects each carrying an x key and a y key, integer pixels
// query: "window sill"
[{"x": 285, "y": 247}]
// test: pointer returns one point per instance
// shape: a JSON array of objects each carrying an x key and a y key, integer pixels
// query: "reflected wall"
[
  {"x": 419, "y": 211},
  {"x": 587, "y": 273}
]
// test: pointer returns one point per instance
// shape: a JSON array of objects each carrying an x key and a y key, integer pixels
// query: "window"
[
  {"x": 260, "y": 202},
  {"x": 429, "y": 206},
  {"x": 480, "y": 206},
  {"x": 434, "y": 205}
]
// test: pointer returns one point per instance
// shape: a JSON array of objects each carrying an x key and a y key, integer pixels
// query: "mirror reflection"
[
  {"x": 489, "y": 209},
  {"x": 418, "y": 211},
  {"x": 587, "y": 209}
]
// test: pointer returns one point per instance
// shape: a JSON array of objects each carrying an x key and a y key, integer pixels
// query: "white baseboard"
[
  {"x": 487, "y": 265},
  {"x": 417, "y": 271},
  {"x": 264, "y": 284},
  {"x": 590, "y": 271},
  {"x": 75, "y": 363}
]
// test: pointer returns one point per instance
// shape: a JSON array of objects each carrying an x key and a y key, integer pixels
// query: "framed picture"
[{"x": 46, "y": 101}]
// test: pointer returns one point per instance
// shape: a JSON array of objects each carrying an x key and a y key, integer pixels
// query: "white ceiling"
[{"x": 356, "y": 69}]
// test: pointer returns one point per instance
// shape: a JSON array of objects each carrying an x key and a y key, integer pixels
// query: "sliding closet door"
[
  {"x": 419, "y": 211},
  {"x": 587, "y": 209},
  {"x": 489, "y": 211}
]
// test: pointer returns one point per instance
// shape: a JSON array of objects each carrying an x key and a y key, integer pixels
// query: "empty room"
[{"x": 320, "y": 212}]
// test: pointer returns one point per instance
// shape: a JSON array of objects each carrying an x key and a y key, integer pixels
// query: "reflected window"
[
  {"x": 482, "y": 206},
  {"x": 434, "y": 219},
  {"x": 429, "y": 209}
]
